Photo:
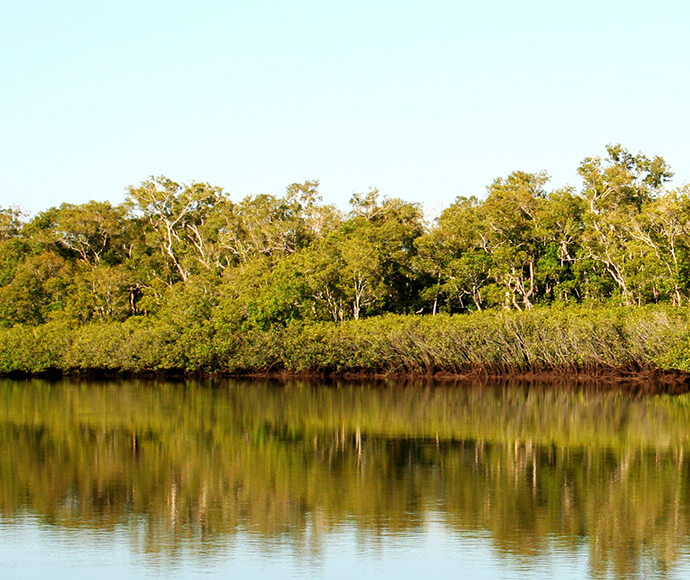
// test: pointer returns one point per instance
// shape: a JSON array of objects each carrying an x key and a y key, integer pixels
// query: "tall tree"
[
  {"x": 177, "y": 214},
  {"x": 512, "y": 210},
  {"x": 616, "y": 189},
  {"x": 454, "y": 256},
  {"x": 91, "y": 230}
]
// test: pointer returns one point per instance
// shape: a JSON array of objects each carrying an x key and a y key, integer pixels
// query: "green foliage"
[
  {"x": 25, "y": 349},
  {"x": 202, "y": 281}
]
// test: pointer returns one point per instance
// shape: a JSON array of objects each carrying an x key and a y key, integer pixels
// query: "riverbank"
[{"x": 609, "y": 343}]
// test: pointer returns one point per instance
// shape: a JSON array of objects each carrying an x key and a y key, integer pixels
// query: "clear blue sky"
[{"x": 424, "y": 100}]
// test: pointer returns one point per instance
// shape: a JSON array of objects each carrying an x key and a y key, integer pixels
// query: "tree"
[
  {"x": 10, "y": 223},
  {"x": 454, "y": 256},
  {"x": 511, "y": 211},
  {"x": 177, "y": 214},
  {"x": 616, "y": 189},
  {"x": 266, "y": 225},
  {"x": 365, "y": 266},
  {"x": 38, "y": 290},
  {"x": 559, "y": 227},
  {"x": 663, "y": 228},
  {"x": 91, "y": 230}
]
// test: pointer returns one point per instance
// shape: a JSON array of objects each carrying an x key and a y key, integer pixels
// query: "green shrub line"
[{"x": 569, "y": 339}]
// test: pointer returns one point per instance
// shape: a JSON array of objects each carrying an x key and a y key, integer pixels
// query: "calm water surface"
[{"x": 250, "y": 480}]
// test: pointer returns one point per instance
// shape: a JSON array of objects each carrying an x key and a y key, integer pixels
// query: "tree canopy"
[{"x": 191, "y": 253}]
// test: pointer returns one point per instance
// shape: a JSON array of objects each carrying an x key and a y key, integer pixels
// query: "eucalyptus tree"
[
  {"x": 453, "y": 254},
  {"x": 10, "y": 222},
  {"x": 661, "y": 232},
  {"x": 559, "y": 229},
  {"x": 616, "y": 190},
  {"x": 177, "y": 215},
  {"x": 13, "y": 246},
  {"x": 344, "y": 271},
  {"x": 93, "y": 231},
  {"x": 378, "y": 250},
  {"x": 265, "y": 241},
  {"x": 268, "y": 225},
  {"x": 365, "y": 265},
  {"x": 323, "y": 267},
  {"x": 512, "y": 211}
]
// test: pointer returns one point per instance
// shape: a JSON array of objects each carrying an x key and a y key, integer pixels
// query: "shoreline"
[
  {"x": 645, "y": 380},
  {"x": 606, "y": 345}
]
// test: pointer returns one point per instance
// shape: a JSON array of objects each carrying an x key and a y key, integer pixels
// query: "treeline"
[{"x": 187, "y": 258}]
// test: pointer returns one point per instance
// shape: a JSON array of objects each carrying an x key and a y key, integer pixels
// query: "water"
[{"x": 249, "y": 479}]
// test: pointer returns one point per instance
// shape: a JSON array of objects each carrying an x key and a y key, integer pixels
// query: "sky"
[{"x": 422, "y": 100}]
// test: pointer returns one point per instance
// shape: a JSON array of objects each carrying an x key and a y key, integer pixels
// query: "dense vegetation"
[{"x": 182, "y": 277}]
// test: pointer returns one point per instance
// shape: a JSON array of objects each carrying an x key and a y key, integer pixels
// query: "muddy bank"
[
  {"x": 646, "y": 381},
  {"x": 643, "y": 381}
]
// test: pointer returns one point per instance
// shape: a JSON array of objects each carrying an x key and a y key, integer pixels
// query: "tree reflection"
[{"x": 192, "y": 465}]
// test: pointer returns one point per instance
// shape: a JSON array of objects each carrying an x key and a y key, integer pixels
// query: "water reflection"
[{"x": 186, "y": 470}]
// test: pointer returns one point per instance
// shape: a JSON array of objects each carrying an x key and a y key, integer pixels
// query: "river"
[{"x": 199, "y": 479}]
